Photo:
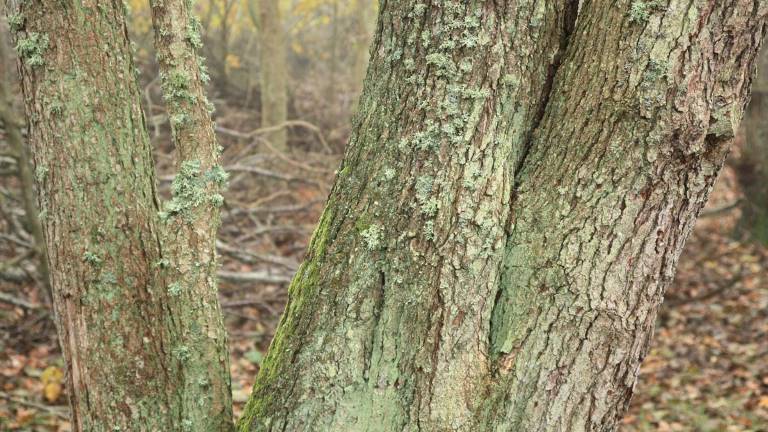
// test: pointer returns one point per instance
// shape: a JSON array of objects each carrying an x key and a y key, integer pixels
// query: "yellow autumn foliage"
[{"x": 53, "y": 381}]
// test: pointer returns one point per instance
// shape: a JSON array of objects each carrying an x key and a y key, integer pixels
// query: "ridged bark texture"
[
  {"x": 135, "y": 326},
  {"x": 191, "y": 219},
  {"x": 518, "y": 186}
]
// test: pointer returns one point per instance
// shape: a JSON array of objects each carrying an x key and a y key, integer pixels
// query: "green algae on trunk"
[{"x": 519, "y": 182}]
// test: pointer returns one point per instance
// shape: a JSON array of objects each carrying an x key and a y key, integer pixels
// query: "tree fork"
[
  {"x": 133, "y": 284},
  {"x": 493, "y": 252}
]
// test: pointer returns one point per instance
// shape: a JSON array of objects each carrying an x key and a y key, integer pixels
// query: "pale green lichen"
[
  {"x": 471, "y": 177},
  {"x": 448, "y": 45},
  {"x": 179, "y": 118},
  {"x": 656, "y": 69},
  {"x": 174, "y": 289},
  {"x": 193, "y": 33},
  {"x": 41, "y": 173},
  {"x": 32, "y": 47},
  {"x": 187, "y": 425},
  {"x": 639, "y": 12},
  {"x": 109, "y": 278},
  {"x": 425, "y": 38},
  {"x": 182, "y": 353},
  {"x": 445, "y": 66},
  {"x": 429, "y": 207},
  {"x": 428, "y": 139},
  {"x": 205, "y": 77},
  {"x": 192, "y": 188},
  {"x": 56, "y": 107},
  {"x": 389, "y": 174},
  {"x": 427, "y": 204},
  {"x": 176, "y": 85},
  {"x": 217, "y": 200},
  {"x": 15, "y": 21},
  {"x": 510, "y": 80},
  {"x": 429, "y": 230},
  {"x": 91, "y": 258},
  {"x": 419, "y": 9},
  {"x": 372, "y": 236}
]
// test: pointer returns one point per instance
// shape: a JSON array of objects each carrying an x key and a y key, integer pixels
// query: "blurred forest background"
[{"x": 284, "y": 78}]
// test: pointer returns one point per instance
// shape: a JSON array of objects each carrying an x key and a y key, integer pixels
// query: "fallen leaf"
[
  {"x": 52, "y": 378},
  {"x": 763, "y": 402}
]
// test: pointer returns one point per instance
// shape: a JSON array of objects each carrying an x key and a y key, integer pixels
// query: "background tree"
[
  {"x": 509, "y": 211},
  {"x": 134, "y": 293},
  {"x": 753, "y": 164},
  {"x": 191, "y": 220},
  {"x": 362, "y": 22},
  {"x": 12, "y": 125},
  {"x": 273, "y": 73}
]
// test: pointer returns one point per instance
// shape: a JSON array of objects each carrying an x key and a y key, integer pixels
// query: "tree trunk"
[
  {"x": 753, "y": 164},
  {"x": 132, "y": 290},
  {"x": 362, "y": 23},
  {"x": 12, "y": 125},
  {"x": 191, "y": 220},
  {"x": 330, "y": 91},
  {"x": 273, "y": 70},
  {"x": 518, "y": 186}
]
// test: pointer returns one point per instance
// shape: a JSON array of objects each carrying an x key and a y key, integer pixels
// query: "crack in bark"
[
  {"x": 569, "y": 24},
  {"x": 571, "y": 12}
]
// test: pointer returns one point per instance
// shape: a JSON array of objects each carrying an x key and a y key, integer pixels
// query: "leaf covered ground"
[{"x": 707, "y": 369}]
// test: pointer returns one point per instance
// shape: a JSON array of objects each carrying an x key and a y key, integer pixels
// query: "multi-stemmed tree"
[
  {"x": 518, "y": 186},
  {"x": 133, "y": 280}
]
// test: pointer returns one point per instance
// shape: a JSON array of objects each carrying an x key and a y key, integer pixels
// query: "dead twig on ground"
[
  {"x": 7, "y": 298},
  {"x": 49, "y": 409},
  {"x": 254, "y": 277}
]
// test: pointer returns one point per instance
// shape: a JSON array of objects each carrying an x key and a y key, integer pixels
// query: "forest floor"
[{"x": 707, "y": 369}]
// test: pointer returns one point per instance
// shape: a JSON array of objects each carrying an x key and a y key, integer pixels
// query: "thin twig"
[
  {"x": 278, "y": 209},
  {"x": 722, "y": 209},
  {"x": 256, "y": 276},
  {"x": 290, "y": 161},
  {"x": 722, "y": 287},
  {"x": 271, "y": 174},
  {"x": 251, "y": 257},
  {"x": 55, "y": 411},
  {"x": 286, "y": 124},
  {"x": 7, "y": 298}
]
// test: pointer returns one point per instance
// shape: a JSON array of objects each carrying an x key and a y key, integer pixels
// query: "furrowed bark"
[
  {"x": 638, "y": 126},
  {"x": 93, "y": 167},
  {"x": 191, "y": 219},
  {"x": 135, "y": 338},
  {"x": 387, "y": 322},
  {"x": 509, "y": 211}
]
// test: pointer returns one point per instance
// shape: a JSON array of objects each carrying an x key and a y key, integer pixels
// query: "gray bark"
[
  {"x": 512, "y": 203},
  {"x": 133, "y": 283}
]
